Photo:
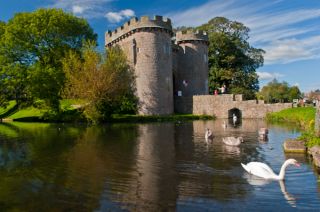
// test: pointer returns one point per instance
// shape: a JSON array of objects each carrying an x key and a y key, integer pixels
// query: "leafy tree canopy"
[
  {"x": 106, "y": 82},
  {"x": 276, "y": 91},
  {"x": 232, "y": 61},
  {"x": 32, "y": 47},
  {"x": 2, "y": 28}
]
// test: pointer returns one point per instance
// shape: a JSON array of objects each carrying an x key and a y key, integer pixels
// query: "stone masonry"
[
  {"x": 172, "y": 71},
  {"x": 192, "y": 59},
  {"x": 222, "y": 106},
  {"x": 164, "y": 67}
]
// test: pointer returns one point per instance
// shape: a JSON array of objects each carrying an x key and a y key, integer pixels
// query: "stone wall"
[
  {"x": 192, "y": 74},
  {"x": 148, "y": 47},
  {"x": 221, "y": 104},
  {"x": 153, "y": 70}
]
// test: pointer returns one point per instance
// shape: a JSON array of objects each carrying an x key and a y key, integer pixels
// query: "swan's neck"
[{"x": 283, "y": 170}]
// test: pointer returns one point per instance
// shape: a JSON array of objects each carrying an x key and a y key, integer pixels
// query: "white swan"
[
  {"x": 264, "y": 171},
  {"x": 234, "y": 118},
  {"x": 208, "y": 134},
  {"x": 232, "y": 141}
]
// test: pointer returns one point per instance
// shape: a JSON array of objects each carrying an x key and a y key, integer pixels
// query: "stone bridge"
[{"x": 224, "y": 106}]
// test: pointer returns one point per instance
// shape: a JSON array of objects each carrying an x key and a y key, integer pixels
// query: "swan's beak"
[{"x": 297, "y": 164}]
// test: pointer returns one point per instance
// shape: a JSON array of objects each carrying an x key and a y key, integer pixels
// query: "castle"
[{"x": 167, "y": 65}]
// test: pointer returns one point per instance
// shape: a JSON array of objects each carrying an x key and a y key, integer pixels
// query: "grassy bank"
[
  {"x": 69, "y": 113},
  {"x": 303, "y": 117},
  {"x": 38, "y": 112}
]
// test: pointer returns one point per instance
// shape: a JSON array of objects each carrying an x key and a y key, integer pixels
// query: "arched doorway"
[{"x": 237, "y": 113}]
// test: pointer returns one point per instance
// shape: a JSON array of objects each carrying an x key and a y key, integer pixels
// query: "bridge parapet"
[{"x": 221, "y": 104}]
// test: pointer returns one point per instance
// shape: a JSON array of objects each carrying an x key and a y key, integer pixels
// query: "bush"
[{"x": 310, "y": 138}]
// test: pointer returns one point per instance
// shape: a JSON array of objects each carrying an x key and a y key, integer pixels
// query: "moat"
[{"x": 148, "y": 167}]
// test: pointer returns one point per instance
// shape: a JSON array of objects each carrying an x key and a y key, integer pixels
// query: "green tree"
[
  {"x": 3, "y": 101},
  {"x": 32, "y": 47},
  {"x": 232, "y": 61},
  {"x": 2, "y": 28},
  {"x": 106, "y": 82},
  {"x": 276, "y": 91},
  {"x": 294, "y": 93}
]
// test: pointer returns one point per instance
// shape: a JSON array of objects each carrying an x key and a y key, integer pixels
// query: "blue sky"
[{"x": 288, "y": 30}]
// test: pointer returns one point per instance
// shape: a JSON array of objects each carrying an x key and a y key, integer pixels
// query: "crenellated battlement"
[
  {"x": 165, "y": 66},
  {"x": 184, "y": 36},
  {"x": 136, "y": 24}
]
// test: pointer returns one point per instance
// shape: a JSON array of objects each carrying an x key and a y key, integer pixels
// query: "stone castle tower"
[
  {"x": 163, "y": 69},
  {"x": 192, "y": 63}
]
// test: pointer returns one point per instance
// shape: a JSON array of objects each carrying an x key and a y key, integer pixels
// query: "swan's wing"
[
  {"x": 226, "y": 141},
  {"x": 259, "y": 164},
  {"x": 231, "y": 141},
  {"x": 259, "y": 169}
]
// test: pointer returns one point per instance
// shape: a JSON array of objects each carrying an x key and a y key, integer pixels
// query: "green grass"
[
  {"x": 39, "y": 112},
  {"x": 303, "y": 117},
  {"x": 68, "y": 113},
  {"x": 29, "y": 112},
  {"x": 6, "y": 109}
]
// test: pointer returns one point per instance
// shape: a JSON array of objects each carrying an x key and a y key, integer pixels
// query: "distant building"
[{"x": 313, "y": 95}]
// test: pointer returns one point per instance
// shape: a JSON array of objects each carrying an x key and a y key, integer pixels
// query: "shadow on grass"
[
  {"x": 55, "y": 117},
  {"x": 11, "y": 111}
]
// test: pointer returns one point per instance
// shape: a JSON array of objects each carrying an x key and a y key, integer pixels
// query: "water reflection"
[
  {"x": 156, "y": 184},
  {"x": 231, "y": 151},
  {"x": 257, "y": 181},
  {"x": 143, "y": 167}
]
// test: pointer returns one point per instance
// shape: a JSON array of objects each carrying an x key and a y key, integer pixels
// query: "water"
[{"x": 148, "y": 167}]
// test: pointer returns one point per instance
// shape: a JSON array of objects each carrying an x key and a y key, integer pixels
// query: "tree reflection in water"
[{"x": 136, "y": 167}]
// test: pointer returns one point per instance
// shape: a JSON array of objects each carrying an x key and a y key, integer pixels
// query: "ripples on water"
[{"x": 148, "y": 167}]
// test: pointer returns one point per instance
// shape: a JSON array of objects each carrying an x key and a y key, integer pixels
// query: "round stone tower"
[
  {"x": 192, "y": 75},
  {"x": 147, "y": 44}
]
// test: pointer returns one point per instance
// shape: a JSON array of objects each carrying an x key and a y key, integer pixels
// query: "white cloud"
[
  {"x": 78, "y": 9},
  {"x": 115, "y": 17},
  {"x": 268, "y": 75},
  {"x": 286, "y": 33},
  {"x": 290, "y": 50},
  {"x": 85, "y": 8},
  {"x": 127, "y": 13}
]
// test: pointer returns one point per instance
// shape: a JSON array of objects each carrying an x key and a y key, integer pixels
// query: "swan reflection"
[
  {"x": 231, "y": 150},
  {"x": 257, "y": 181}
]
